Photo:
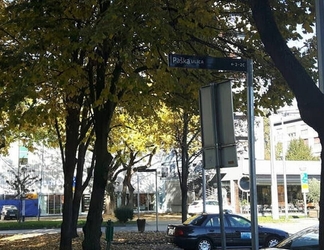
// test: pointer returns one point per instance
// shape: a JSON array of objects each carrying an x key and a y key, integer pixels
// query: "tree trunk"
[
  {"x": 79, "y": 189},
  {"x": 69, "y": 164},
  {"x": 185, "y": 167},
  {"x": 92, "y": 228},
  {"x": 111, "y": 205},
  {"x": 309, "y": 98},
  {"x": 131, "y": 196},
  {"x": 66, "y": 235},
  {"x": 75, "y": 212},
  {"x": 184, "y": 203}
]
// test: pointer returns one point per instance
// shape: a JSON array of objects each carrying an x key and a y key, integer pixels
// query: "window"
[{"x": 239, "y": 222}]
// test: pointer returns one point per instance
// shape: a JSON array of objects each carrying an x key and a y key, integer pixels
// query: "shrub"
[{"x": 123, "y": 214}]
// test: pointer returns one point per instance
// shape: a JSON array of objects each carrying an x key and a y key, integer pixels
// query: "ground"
[{"x": 122, "y": 241}]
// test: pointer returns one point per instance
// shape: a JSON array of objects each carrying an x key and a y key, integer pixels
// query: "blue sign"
[
  {"x": 207, "y": 62},
  {"x": 304, "y": 182}
]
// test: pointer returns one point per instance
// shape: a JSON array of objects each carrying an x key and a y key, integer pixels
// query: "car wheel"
[
  {"x": 204, "y": 244},
  {"x": 271, "y": 241}
]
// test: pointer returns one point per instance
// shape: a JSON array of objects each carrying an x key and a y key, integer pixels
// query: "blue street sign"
[
  {"x": 207, "y": 62},
  {"x": 304, "y": 182}
]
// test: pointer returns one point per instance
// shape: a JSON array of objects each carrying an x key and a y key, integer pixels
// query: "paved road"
[{"x": 293, "y": 226}]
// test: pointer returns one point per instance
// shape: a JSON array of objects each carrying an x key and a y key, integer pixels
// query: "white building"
[{"x": 287, "y": 125}]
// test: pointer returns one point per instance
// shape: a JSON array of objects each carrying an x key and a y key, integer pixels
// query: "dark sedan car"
[
  {"x": 306, "y": 239},
  {"x": 9, "y": 212},
  {"x": 202, "y": 232}
]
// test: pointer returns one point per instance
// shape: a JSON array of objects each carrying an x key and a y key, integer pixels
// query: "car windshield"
[
  {"x": 9, "y": 207},
  {"x": 214, "y": 203},
  {"x": 196, "y": 220},
  {"x": 303, "y": 238}
]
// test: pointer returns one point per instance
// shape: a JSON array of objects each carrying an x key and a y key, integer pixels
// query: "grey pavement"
[{"x": 293, "y": 225}]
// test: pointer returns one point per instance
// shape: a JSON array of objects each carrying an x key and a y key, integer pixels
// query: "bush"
[{"x": 123, "y": 214}]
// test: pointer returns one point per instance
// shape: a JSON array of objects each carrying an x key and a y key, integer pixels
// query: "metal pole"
[
  {"x": 305, "y": 204},
  {"x": 218, "y": 177},
  {"x": 253, "y": 189},
  {"x": 138, "y": 198},
  {"x": 156, "y": 201},
  {"x": 319, "y": 7},
  {"x": 274, "y": 185},
  {"x": 204, "y": 189},
  {"x": 284, "y": 167}
]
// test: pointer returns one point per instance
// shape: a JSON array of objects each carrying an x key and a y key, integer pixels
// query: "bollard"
[{"x": 109, "y": 233}]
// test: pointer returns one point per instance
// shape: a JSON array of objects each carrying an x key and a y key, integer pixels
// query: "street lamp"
[
  {"x": 274, "y": 186},
  {"x": 284, "y": 167},
  {"x": 156, "y": 193}
]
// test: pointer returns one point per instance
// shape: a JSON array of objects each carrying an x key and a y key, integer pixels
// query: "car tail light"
[{"x": 178, "y": 232}]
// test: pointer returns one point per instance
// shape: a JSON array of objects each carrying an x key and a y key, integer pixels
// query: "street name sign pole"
[
  {"x": 304, "y": 188},
  {"x": 230, "y": 64}
]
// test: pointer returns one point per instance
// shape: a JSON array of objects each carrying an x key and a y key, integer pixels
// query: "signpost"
[
  {"x": 230, "y": 64},
  {"x": 304, "y": 182},
  {"x": 217, "y": 125},
  {"x": 207, "y": 62},
  {"x": 304, "y": 188}
]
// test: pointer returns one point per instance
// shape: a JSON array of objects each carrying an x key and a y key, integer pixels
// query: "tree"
[
  {"x": 309, "y": 98},
  {"x": 133, "y": 143},
  {"x": 41, "y": 94},
  {"x": 314, "y": 190},
  {"x": 98, "y": 55},
  {"x": 22, "y": 183},
  {"x": 182, "y": 125},
  {"x": 298, "y": 151}
]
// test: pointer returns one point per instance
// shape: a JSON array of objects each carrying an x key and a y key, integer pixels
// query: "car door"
[
  {"x": 213, "y": 230},
  {"x": 238, "y": 230},
  {"x": 212, "y": 227}
]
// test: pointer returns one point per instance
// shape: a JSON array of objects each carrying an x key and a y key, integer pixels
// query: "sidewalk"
[{"x": 292, "y": 226}]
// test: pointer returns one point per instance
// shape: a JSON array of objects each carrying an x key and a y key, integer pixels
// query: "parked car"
[
  {"x": 304, "y": 239},
  {"x": 196, "y": 207},
  {"x": 203, "y": 232},
  {"x": 212, "y": 206},
  {"x": 9, "y": 212}
]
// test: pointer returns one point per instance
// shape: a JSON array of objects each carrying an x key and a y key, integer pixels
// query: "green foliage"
[
  {"x": 33, "y": 224},
  {"x": 123, "y": 214},
  {"x": 314, "y": 190},
  {"x": 59, "y": 58},
  {"x": 299, "y": 151},
  {"x": 278, "y": 151}
]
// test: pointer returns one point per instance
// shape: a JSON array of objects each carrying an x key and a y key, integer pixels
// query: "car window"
[
  {"x": 306, "y": 242},
  {"x": 197, "y": 220},
  {"x": 307, "y": 237},
  {"x": 236, "y": 221},
  {"x": 213, "y": 222},
  {"x": 210, "y": 222}
]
